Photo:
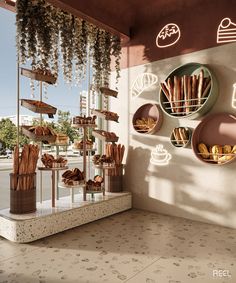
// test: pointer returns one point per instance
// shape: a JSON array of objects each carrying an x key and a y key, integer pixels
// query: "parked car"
[{"x": 8, "y": 153}]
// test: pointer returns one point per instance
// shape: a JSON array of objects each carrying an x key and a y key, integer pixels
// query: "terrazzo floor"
[{"x": 134, "y": 246}]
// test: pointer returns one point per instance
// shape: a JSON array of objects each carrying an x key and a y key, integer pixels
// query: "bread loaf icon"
[{"x": 168, "y": 35}]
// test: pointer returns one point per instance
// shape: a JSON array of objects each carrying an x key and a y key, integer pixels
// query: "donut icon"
[{"x": 168, "y": 35}]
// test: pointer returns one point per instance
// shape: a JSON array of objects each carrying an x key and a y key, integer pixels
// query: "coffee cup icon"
[{"x": 160, "y": 156}]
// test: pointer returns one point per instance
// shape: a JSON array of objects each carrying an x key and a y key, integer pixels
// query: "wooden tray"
[
  {"x": 34, "y": 75},
  {"x": 109, "y": 92},
  {"x": 215, "y": 129},
  {"x": 32, "y": 136},
  {"x": 44, "y": 109},
  {"x": 208, "y": 102},
  {"x": 101, "y": 137},
  {"x": 104, "y": 116}
]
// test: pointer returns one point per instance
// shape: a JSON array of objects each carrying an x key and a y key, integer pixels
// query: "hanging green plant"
[{"x": 44, "y": 31}]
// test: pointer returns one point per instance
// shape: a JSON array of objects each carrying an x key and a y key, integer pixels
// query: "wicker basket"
[
  {"x": 23, "y": 201},
  {"x": 113, "y": 179}
]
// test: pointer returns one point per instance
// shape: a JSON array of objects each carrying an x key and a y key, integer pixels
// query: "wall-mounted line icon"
[
  {"x": 143, "y": 82},
  {"x": 226, "y": 31},
  {"x": 234, "y": 96},
  {"x": 160, "y": 156},
  {"x": 168, "y": 35}
]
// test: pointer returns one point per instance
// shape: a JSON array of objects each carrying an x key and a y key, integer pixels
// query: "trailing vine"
[{"x": 44, "y": 31}]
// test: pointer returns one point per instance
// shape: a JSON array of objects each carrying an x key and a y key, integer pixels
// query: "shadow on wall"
[{"x": 174, "y": 196}]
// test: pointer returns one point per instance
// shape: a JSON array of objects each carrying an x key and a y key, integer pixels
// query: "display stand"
[
  {"x": 53, "y": 171},
  {"x": 106, "y": 92},
  {"x": 84, "y": 127},
  {"x": 41, "y": 78}
]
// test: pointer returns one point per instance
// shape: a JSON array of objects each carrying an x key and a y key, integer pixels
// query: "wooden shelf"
[
  {"x": 34, "y": 75},
  {"x": 101, "y": 166},
  {"x": 43, "y": 109},
  {"x": 98, "y": 113},
  {"x": 36, "y": 138},
  {"x": 84, "y": 126},
  {"x": 109, "y": 92},
  {"x": 65, "y": 186},
  {"x": 103, "y": 138},
  {"x": 53, "y": 168}
]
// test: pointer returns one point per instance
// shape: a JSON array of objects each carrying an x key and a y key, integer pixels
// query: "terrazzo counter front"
[{"x": 47, "y": 221}]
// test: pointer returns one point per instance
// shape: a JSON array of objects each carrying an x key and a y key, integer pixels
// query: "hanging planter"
[{"x": 44, "y": 31}]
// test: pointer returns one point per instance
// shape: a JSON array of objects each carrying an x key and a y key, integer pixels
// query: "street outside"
[{"x": 6, "y": 169}]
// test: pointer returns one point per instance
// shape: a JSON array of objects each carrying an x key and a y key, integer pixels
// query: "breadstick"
[
  {"x": 182, "y": 94},
  {"x": 205, "y": 93},
  {"x": 177, "y": 136},
  {"x": 194, "y": 91},
  {"x": 189, "y": 96},
  {"x": 200, "y": 84},
  {"x": 186, "y": 102},
  {"x": 171, "y": 91},
  {"x": 183, "y": 135}
]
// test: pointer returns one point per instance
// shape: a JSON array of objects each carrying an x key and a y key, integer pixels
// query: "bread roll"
[
  {"x": 216, "y": 152},
  {"x": 203, "y": 150},
  {"x": 227, "y": 149}
]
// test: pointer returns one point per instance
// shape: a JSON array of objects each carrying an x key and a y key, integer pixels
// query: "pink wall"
[{"x": 198, "y": 21}]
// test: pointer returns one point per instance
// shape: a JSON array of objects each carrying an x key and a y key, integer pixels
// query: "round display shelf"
[
  {"x": 149, "y": 110},
  {"x": 218, "y": 133},
  {"x": 181, "y": 137},
  {"x": 184, "y": 100}
]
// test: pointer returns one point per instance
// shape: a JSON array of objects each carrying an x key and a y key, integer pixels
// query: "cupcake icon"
[{"x": 160, "y": 156}]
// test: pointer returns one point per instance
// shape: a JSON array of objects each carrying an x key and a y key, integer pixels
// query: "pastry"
[
  {"x": 203, "y": 150},
  {"x": 98, "y": 179},
  {"x": 216, "y": 152},
  {"x": 227, "y": 149}
]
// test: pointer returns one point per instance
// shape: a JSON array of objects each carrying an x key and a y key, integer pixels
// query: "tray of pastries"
[
  {"x": 107, "y": 115},
  {"x": 62, "y": 139},
  {"x": 105, "y": 136},
  {"x": 39, "y": 133},
  {"x": 95, "y": 185},
  {"x": 217, "y": 154},
  {"x": 103, "y": 160},
  {"x": 80, "y": 144},
  {"x": 83, "y": 120},
  {"x": 109, "y": 92},
  {"x": 49, "y": 161},
  {"x": 73, "y": 177},
  {"x": 39, "y": 74},
  {"x": 39, "y": 107}
]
